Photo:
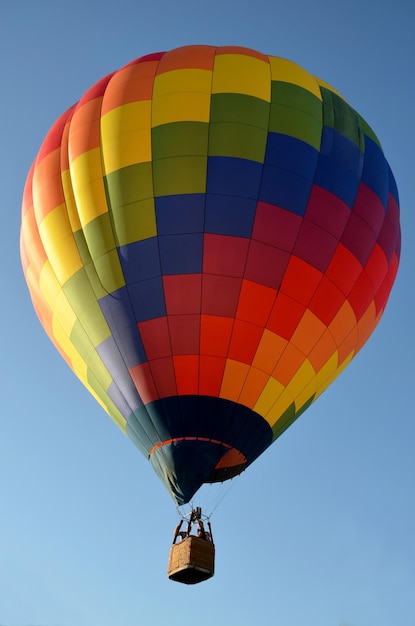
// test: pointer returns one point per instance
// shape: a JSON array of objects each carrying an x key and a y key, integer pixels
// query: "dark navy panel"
[
  {"x": 337, "y": 179},
  {"x": 180, "y": 214},
  {"x": 393, "y": 189},
  {"x": 285, "y": 189},
  {"x": 183, "y": 466},
  {"x": 140, "y": 260},
  {"x": 229, "y": 215},
  {"x": 291, "y": 154},
  {"x": 181, "y": 254},
  {"x": 121, "y": 320},
  {"x": 233, "y": 177},
  {"x": 375, "y": 170},
  {"x": 147, "y": 299}
]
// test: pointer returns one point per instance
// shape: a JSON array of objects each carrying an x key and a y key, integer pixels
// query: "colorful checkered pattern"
[{"x": 209, "y": 236}]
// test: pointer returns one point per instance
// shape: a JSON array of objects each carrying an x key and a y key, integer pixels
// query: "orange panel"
[
  {"x": 233, "y": 379},
  {"x": 307, "y": 333},
  {"x": 343, "y": 323},
  {"x": 131, "y": 84},
  {"x": 84, "y": 133},
  {"x": 289, "y": 363},
  {"x": 199, "y": 57},
  {"x": 243, "y": 51},
  {"x": 187, "y": 374},
  {"x": 269, "y": 351},
  {"x": 47, "y": 185},
  {"x": 366, "y": 325},
  {"x": 254, "y": 384},
  {"x": 322, "y": 351},
  {"x": 348, "y": 346}
]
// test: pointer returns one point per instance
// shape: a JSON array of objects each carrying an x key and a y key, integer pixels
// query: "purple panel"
[
  {"x": 315, "y": 245},
  {"x": 327, "y": 210},
  {"x": 224, "y": 255},
  {"x": 266, "y": 265},
  {"x": 370, "y": 208},
  {"x": 359, "y": 238},
  {"x": 276, "y": 226}
]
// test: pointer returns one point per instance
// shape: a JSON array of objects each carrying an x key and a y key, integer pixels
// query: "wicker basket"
[{"x": 191, "y": 561}]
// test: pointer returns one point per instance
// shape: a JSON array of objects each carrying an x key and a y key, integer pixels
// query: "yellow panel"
[
  {"x": 308, "y": 392},
  {"x": 236, "y": 73},
  {"x": 289, "y": 72},
  {"x": 337, "y": 372},
  {"x": 88, "y": 186},
  {"x": 181, "y": 107},
  {"x": 63, "y": 312},
  {"x": 183, "y": 80},
  {"x": 126, "y": 135},
  {"x": 269, "y": 351},
  {"x": 301, "y": 379},
  {"x": 279, "y": 408},
  {"x": 272, "y": 390},
  {"x": 233, "y": 379},
  {"x": 59, "y": 244},
  {"x": 71, "y": 207}
]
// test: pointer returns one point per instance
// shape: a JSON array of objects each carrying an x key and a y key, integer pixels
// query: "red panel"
[
  {"x": 266, "y": 264},
  {"x": 164, "y": 377},
  {"x": 377, "y": 267},
  {"x": 285, "y": 315},
  {"x": 255, "y": 302},
  {"x": 224, "y": 255},
  {"x": 344, "y": 269},
  {"x": 215, "y": 335},
  {"x": 143, "y": 380},
  {"x": 276, "y": 226},
  {"x": 155, "y": 337},
  {"x": 383, "y": 293},
  {"x": 187, "y": 374},
  {"x": 220, "y": 295},
  {"x": 327, "y": 301},
  {"x": 244, "y": 341},
  {"x": 361, "y": 295},
  {"x": 211, "y": 374},
  {"x": 199, "y": 57},
  {"x": 183, "y": 293},
  {"x": 184, "y": 333},
  {"x": 300, "y": 280}
]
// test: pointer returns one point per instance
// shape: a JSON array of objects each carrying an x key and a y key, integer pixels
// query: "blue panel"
[
  {"x": 147, "y": 299},
  {"x": 337, "y": 179},
  {"x": 285, "y": 189},
  {"x": 392, "y": 185},
  {"x": 181, "y": 254},
  {"x": 233, "y": 177},
  {"x": 119, "y": 315},
  {"x": 140, "y": 260},
  {"x": 342, "y": 150},
  {"x": 375, "y": 170},
  {"x": 291, "y": 154},
  {"x": 180, "y": 214},
  {"x": 229, "y": 215}
]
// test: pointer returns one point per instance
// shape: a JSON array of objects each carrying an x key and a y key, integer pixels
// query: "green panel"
[
  {"x": 296, "y": 112},
  {"x": 109, "y": 271},
  {"x": 99, "y": 236},
  {"x": 288, "y": 417},
  {"x": 237, "y": 140},
  {"x": 129, "y": 184},
  {"x": 179, "y": 139},
  {"x": 240, "y": 109},
  {"x": 135, "y": 221},
  {"x": 84, "y": 303},
  {"x": 340, "y": 116},
  {"x": 180, "y": 175},
  {"x": 99, "y": 370},
  {"x": 96, "y": 384},
  {"x": 296, "y": 123},
  {"x": 81, "y": 341}
]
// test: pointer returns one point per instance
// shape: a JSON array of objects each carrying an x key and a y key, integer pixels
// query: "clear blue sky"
[{"x": 320, "y": 531}]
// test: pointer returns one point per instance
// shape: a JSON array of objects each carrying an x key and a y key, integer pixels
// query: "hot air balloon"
[{"x": 209, "y": 236}]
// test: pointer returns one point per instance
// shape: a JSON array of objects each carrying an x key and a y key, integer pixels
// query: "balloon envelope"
[{"x": 209, "y": 237}]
